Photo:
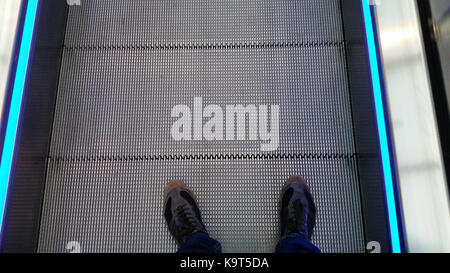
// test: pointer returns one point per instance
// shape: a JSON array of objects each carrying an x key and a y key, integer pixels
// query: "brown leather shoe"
[
  {"x": 298, "y": 212},
  {"x": 181, "y": 211}
]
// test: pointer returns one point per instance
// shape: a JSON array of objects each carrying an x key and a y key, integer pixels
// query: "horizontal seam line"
[
  {"x": 185, "y": 157},
  {"x": 224, "y": 45}
]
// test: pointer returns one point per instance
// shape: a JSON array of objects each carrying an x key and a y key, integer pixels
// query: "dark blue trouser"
[{"x": 202, "y": 243}]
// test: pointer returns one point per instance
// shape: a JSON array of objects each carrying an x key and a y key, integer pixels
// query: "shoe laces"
[
  {"x": 187, "y": 219},
  {"x": 295, "y": 222}
]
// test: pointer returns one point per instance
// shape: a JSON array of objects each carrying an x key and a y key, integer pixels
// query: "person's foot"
[
  {"x": 298, "y": 212},
  {"x": 181, "y": 211}
]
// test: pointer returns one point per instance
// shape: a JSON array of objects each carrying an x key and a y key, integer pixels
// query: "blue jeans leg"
[
  {"x": 200, "y": 243},
  {"x": 294, "y": 243}
]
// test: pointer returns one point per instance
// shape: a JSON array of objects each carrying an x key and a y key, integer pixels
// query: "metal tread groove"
[
  {"x": 205, "y": 46},
  {"x": 201, "y": 157}
]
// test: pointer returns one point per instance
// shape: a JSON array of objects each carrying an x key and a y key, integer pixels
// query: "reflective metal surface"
[
  {"x": 9, "y": 12},
  {"x": 126, "y": 64},
  {"x": 441, "y": 14},
  {"x": 422, "y": 180}
]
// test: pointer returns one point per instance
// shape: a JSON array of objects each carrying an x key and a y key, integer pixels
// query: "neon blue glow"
[
  {"x": 382, "y": 134},
  {"x": 16, "y": 102},
  {"x": 19, "y": 84}
]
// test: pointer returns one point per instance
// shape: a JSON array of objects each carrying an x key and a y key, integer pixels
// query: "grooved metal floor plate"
[{"x": 126, "y": 64}]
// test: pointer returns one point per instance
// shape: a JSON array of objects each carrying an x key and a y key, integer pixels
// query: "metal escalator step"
[
  {"x": 124, "y": 98},
  {"x": 126, "y": 64},
  {"x": 202, "y": 21},
  {"x": 116, "y": 206}
]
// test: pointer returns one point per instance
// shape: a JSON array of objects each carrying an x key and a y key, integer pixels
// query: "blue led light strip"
[
  {"x": 16, "y": 102},
  {"x": 382, "y": 133}
]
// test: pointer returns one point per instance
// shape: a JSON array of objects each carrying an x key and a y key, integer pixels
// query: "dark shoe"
[
  {"x": 181, "y": 211},
  {"x": 298, "y": 212}
]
